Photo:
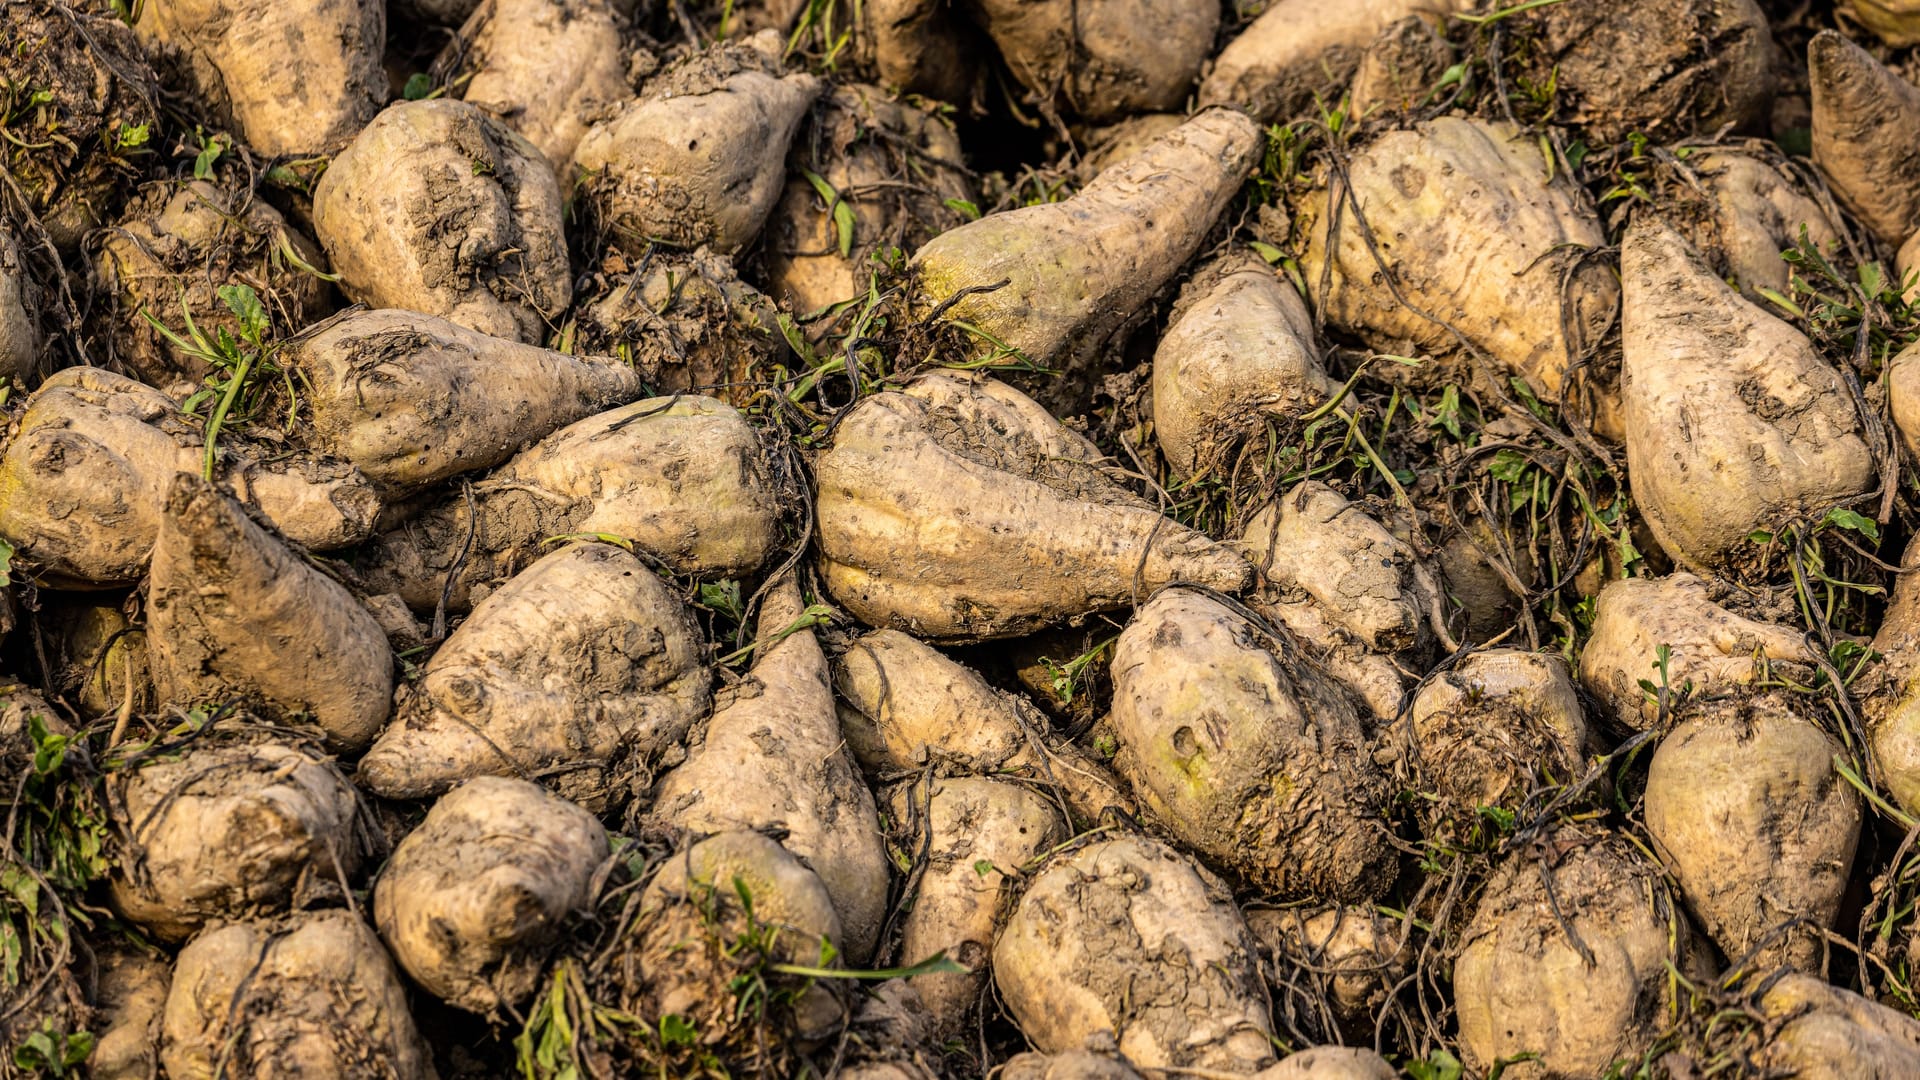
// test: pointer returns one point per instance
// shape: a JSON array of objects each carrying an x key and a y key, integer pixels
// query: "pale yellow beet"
[
  {"x": 683, "y": 479},
  {"x": 296, "y": 79},
  {"x": 237, "y": 828},
  {"x": 1827, "y": 1033},
  {"x": 1102, "y": 60},
  {"x": 1734, "y": 423},
  {"x": 980, "y": 836},
  {"x": 1347, "y": 588},
  {"x": 413, "y": 400},
  {"x": 582, "y": 671},
  {"x": 1299, "y": 49},
  {"x": 133, "y": 987},
  {"x": 1484, "y": 243},
  {"x": 960, "y": 510},
  {"x": 440, "y": 208},
  {"x": 1494, "y": 729},
  {"x": 1896, "y": 22},
  {"x": 313, "y": 997},
  {"x": 1745, "y": 806},
  {"x": 697, "y": 158},
  {"x": 476, "y": 895},
  {"x": 1863, "y": 114},
  {"x": 906, "y": 706},
  {"x": 87, "y": 466},
  {"x": 1075, "y": 272},
  {"x": 550, "y": 68},
  {"x": 1711, "y": 649},
  {"x": 1238, "y": 348},
  {"x": 1523, "y": 985},
  {"x": 233, "y": 613},
  {"x": 1125, "y": 935},
  {"x": 1255, "y": 759},
  {"x": 773, "y": 758}
]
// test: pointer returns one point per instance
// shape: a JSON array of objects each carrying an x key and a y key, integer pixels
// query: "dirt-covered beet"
[
  {"x": 176, "y": 248},
  {"x": 88, "y": 464},
  {"x": 684, "y": 320},
  {"x": 238, "y": 828},
  {"x": 1745, "y": 806},
  {"x": 224, "y": 601},
  {"x": 729, "y": 906},
  {"x": 1128, "y": 936},
  {"x": 697, "y": 158},
  {"x": 310, "y": 995},
  {"x": 550, "y": 68},
  {"x": 870, "y": 176},
  {"x": 414, "y": 401},
  {"x": 1495, "y": 729},
  {"x": 683, "y": 479},
  {"x": 1662, "y": 68},
  {"x": 1055, "y": 281},
  {"x": 1102, "y": 61},
  {"x": 971, "y": 457},
  {"x": 1246, "y": 753},
  {"x": 438, "y": 207},
  {"x": 81, "y": 103},
  {"x": 583, "y": 671},
  {"x": 474, "y": 897},
  {"x": 738, "y": 776},
  {"x": 1504, "y": 270},
  {"x": 1567, "y": 958}
]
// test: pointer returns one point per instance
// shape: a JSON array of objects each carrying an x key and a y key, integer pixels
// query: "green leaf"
[
  {"x": 20, "y": 885},
  {"x": 676, "y": 1030},
  {"x": 1782, "y": 302},
  {"x": 964, "y": 208},
  {"x": 1872, "y": 278},
  {"x": 1438, "y": 1065},
  {"x": 79, "y": 1046},
  {"x": 1508, "y": 466},
  {"x": 419, "y": 85},
  {"x": 1447, "y": 415},
  {"x": 790, "y": 330},
  {"x": 723, "y": 597},
  {"x": 1576, "y": 153},
  {"x": 1272, "y": 254},
  {"x": 133, "y": 135},
  {"x": 1847, "y": 519},
  {"x": 210, "y": 152},
  {"x": 1500, "y": 817},
  {"x": 842, "y": 212},
  {"x": 843, "y": 224},
  {"x": 937, "y": 964},
  {"x": 600, "y": 537},
  {"x": 983, "y": 867},
  {"x": 6, "y": 564},
  {"x": 49, "y": 750}
]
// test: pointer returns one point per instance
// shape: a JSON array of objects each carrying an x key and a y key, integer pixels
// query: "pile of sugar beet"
[{"x": 898, "y": 539}]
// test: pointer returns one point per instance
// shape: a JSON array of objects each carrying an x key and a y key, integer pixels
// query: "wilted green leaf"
[
  {"x": 210, "y": 152},
  {"x": 1847, "y": 519},
  {"x": 1508, "y": 466}
]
